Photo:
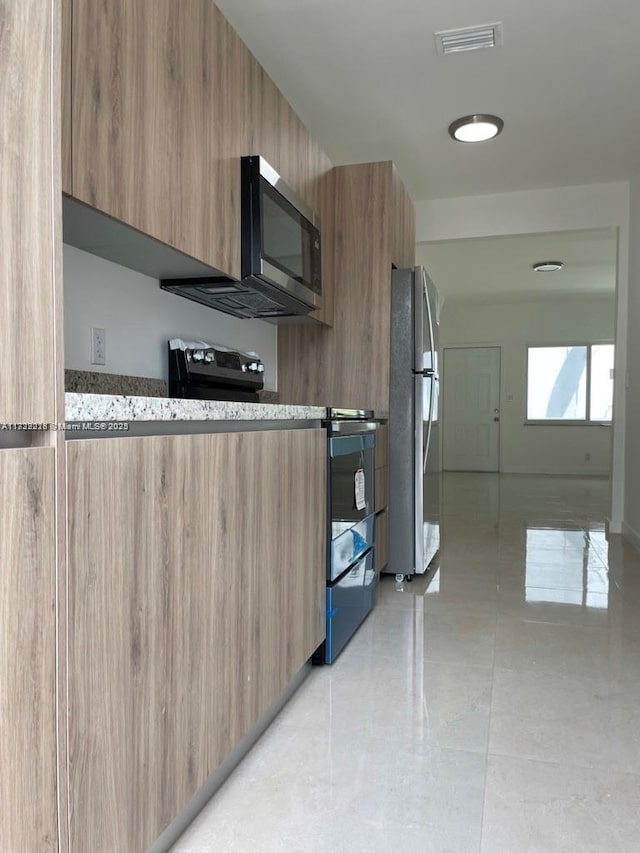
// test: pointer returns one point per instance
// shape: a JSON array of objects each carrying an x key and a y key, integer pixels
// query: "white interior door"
[{"x": 471, "y": 412}]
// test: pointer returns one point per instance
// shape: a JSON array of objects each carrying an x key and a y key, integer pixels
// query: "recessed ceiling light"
[
  {"x": 476, "y": 128},
  {"x": 547, "y": 266}
]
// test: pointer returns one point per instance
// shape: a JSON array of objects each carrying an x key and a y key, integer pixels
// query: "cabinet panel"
[
  {"x": 403, "y": 235},
  {"x": 154, "y": 121},
  {"x": 67, "y": 15},
  {"x": 324, "y": 202},
  {"x": 382, "y": 488},
  {"x": 28, "y": 122},
  {"x": 382, "y": 446},
  {"x": 28, "y": 819},
  {"x": 348, "y": 365},
  {"x": 196, "y": 592},
  {"x": 372, "y": 226},
  {"x": 382, "y": 541}
]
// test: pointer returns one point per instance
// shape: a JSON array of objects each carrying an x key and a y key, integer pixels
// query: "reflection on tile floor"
[{"x": 493, "y": 705}]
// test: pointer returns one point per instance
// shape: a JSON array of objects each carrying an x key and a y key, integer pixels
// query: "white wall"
[
  {"x": 139, "y": 318},
  {"x": 535, "y": 449},
  {"x": 542, "y": 211},
  {"x": 632, "y": 497}
]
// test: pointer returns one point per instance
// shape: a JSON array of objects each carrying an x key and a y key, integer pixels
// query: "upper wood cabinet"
[
  {"x": 403, "y": 224},
  {"x": 196, "y": 592},
  {"x": 29, "y": 201},
  {"x": 374, "y": 230},
  {"x": 162, "y": 98},
  {"x": 156, "y": 125}
]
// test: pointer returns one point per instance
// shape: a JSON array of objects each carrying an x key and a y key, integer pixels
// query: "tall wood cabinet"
[
  {"x": 374, "y": 230},
  {"x": 196, "y": 592},
  {"x": 28, "y": 117},
  {"x": 29, "y": 394}
]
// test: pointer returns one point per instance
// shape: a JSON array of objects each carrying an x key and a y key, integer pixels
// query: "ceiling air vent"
[{"x": 469, "y": 38}]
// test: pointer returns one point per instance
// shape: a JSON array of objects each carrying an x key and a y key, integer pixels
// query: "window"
[{"x": 570, "y": 383}]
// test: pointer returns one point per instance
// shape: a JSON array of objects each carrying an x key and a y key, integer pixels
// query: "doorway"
[{"x": 471, "y": 410}]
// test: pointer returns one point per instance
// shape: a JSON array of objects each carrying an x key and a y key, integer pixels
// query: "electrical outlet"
[
  {"x": 587, "y": 457},
  {"x": 98, "y": 346}
]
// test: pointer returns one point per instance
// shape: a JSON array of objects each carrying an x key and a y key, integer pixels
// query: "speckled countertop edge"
[{"x": 107, "y": 407}]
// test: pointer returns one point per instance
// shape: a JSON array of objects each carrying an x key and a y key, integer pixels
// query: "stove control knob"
[
  {"x": 208, "y": 357},
  {"x": 198, "y": 355},
  {"x": 261, "y": 368},
  {"x": 252, "y": 367}
]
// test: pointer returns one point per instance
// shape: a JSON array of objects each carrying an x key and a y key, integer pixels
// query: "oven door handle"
[{"x": 351, "y": 428}]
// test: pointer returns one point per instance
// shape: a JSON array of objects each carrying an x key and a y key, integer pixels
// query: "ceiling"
[
  {"x": 499, "y": 268},
  {"x": 365, "y": 77}
]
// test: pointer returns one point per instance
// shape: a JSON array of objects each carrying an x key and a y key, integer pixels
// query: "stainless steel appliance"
[
  {"x": 414, "y": 440},
  {"x": 201, "y": 371},
  {"x": 351, "y": 569},
  {"x": 281, "y": 269}
]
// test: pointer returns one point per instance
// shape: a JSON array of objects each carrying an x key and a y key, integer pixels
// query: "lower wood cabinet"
[
  {"x": 196, "y": 591},
  {"x": 28, "y": 817},
  {"x": 381, "y": 488}
]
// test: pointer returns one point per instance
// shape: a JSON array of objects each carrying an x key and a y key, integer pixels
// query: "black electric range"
[{"x": 214, "y": 373}]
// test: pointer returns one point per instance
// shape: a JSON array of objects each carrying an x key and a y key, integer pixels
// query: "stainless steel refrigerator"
[{"x": 414, "y": 440}]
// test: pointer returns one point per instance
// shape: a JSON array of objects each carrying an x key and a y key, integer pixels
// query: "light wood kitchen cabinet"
[
  {"x": 154, "y": 120},
  {"x": 196, "y": 592},
  {"x": 28, "y": 817},
  {"x": 65, "y": 74},
  {"x": 382, "y": 446},
  {"x": 381, "y": 488},
  {"x": 163, "y": 100},
  {"x": 374, "y": 229},
  {"x": 28, "y": 163},
  {"x": 403, "y": 224}
]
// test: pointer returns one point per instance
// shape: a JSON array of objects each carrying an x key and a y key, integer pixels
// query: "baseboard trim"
[
  {"x": 200, "y": 799},
  {"x": 632, "y": 536}
]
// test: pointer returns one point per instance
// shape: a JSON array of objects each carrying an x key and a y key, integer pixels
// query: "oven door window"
[
  {"x": 352, "y": 469},
  {"x": 289, "y": 241}
]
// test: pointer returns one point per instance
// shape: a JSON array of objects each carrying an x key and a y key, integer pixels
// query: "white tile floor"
[{"x": 494, "y": 706}]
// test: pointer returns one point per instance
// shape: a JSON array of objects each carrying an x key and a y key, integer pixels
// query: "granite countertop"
[{"x": 109, "y": 407}]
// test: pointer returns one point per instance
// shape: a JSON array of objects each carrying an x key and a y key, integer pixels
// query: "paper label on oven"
[{"x": 359, "y": 489}]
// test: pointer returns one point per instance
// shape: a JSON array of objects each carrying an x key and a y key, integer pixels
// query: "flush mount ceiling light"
[
  {"x": 476, "y": 128},
  {"x": 547, "y": 266}
]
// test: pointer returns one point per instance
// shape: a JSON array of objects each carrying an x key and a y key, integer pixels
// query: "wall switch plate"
[{"x": 98, "y": 346}]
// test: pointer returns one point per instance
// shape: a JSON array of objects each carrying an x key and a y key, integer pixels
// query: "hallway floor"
[{"x": 492, "y": 706}]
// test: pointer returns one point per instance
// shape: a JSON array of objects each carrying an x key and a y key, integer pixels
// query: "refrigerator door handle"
[
  {"x": 427, "y": 310},
  {"x": 427, "y": 440}
]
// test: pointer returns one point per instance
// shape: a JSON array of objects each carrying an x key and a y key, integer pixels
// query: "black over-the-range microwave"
[{"x": 281, "y": 270}]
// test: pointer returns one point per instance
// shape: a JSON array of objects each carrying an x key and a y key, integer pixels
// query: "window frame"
[{"x": 587, "y": 422}]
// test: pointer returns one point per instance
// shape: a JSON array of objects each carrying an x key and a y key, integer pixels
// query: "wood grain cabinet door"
[
  {"x": 403, "y": 228},
  {"x": 29, "y": 118},
  {"x": 155, "y": 120},
  {"x": 196, "y": 569},
  {"x": 28, "y": 819}
]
